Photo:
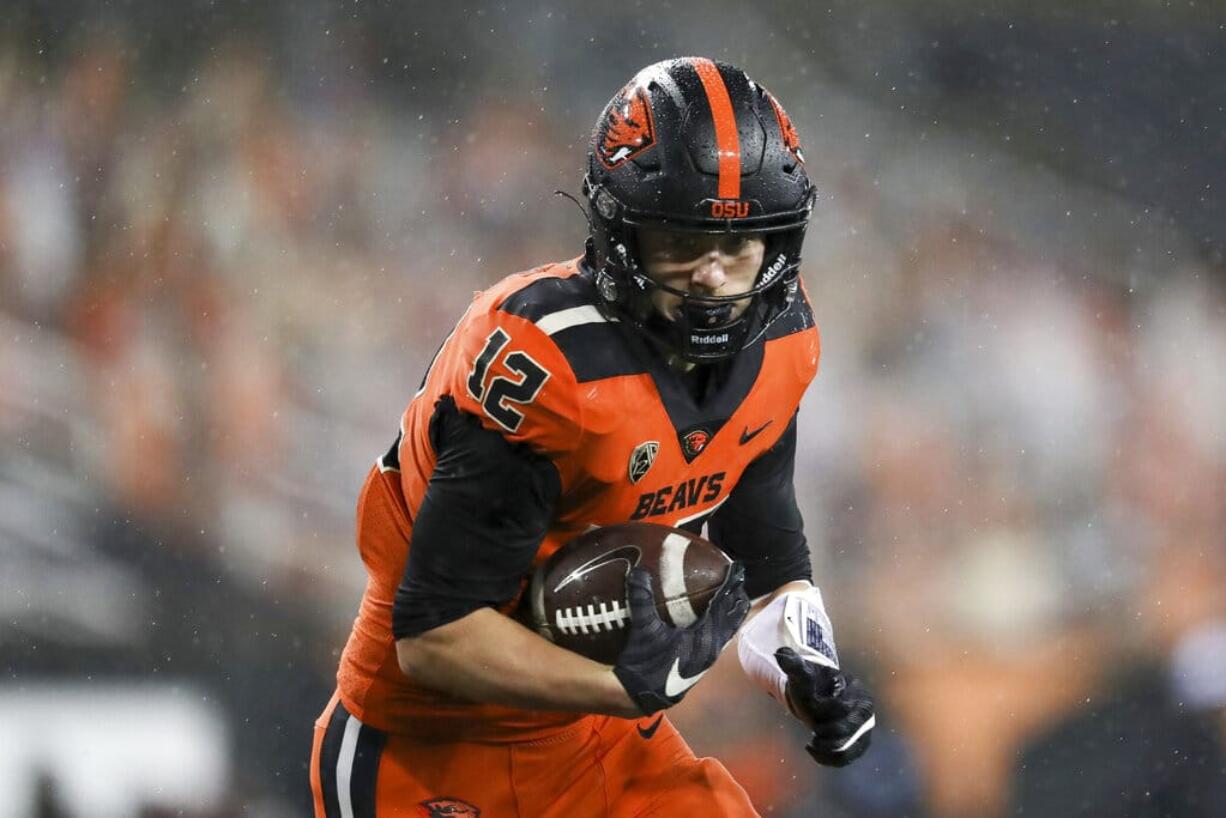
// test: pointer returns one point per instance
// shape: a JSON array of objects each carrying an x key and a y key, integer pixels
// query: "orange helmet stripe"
[{"x": 726, "y": 139}]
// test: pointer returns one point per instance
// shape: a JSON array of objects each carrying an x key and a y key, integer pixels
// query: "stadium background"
[{"x": 232, "y": 234}]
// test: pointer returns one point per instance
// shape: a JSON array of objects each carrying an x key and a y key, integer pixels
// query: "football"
[{"x": 578, "y": 595}]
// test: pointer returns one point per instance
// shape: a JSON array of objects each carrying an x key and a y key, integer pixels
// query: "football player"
[{"x": 655, "y": 378}]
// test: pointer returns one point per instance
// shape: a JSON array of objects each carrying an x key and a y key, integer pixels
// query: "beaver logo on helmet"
[
  {"x": 447, "y": 808},
  {"x": 627, "y": 129}
]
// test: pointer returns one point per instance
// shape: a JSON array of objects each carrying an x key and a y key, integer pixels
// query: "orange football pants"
[{"x": 601, "y": 767}]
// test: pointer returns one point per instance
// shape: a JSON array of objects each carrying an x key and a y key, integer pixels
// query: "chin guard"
[{"x": 701, "y": 316}]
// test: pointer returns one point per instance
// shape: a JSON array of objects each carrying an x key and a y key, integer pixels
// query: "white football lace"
[{"x": 577, "y": 620}]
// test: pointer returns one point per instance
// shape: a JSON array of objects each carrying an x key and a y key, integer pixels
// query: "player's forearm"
[
  {"x": 771, "y": 626},
  {"x": 487, "y": 657},
  {"x": 762, "y": 669}
]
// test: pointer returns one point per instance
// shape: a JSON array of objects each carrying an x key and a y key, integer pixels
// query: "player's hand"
[
  {"x": 661, "y": 662},
  {"x": 834, "y": 704}
]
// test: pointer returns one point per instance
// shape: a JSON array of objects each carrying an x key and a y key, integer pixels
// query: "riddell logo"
[
  {"x": 725, "y": 209},
  {"x": 775, "y": 268}
]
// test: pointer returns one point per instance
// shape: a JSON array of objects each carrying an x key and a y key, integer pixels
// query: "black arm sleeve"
[
  {"x": 485, "y": 512},
  {"x": 760, "y": 525}
]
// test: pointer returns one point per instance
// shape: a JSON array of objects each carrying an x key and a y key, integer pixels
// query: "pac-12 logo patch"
[
  {"x": 447, "y": 808},
  {"x": 641, "y": 459},
  {"x": 627, "y": 128}
]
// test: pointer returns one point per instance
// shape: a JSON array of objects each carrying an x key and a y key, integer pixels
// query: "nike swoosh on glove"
[
  {"x": 661, "y": 662},
  {"x": 835, "y": 704}
]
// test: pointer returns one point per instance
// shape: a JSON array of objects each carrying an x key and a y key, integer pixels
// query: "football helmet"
[{"x": 692, "y": 144}]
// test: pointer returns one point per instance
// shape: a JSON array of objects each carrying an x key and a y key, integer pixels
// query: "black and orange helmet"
[{"x": 692, "y": 144}]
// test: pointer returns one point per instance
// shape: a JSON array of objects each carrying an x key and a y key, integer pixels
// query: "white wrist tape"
[{"x": 796, "y": 620}]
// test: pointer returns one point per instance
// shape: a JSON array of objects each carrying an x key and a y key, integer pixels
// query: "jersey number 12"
[{"x": 496, "y": 399}]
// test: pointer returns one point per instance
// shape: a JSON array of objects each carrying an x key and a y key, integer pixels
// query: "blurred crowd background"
[{"x": 232, "y": 234}]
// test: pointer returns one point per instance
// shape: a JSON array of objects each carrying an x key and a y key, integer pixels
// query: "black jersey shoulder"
[
  {"x": 567, "y": 309},
  {"x": 798, "y": 317},
  {"x": 549, "y": 294}
]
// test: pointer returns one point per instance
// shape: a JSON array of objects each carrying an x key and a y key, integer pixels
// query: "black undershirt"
[
  {"x": 761, "y": 524},
  {"x": 702, "y": 382},
  {"x": 484, "y": 514}
]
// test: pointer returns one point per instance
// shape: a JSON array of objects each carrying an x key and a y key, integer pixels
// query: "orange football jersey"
[{"x": 536, "y": 360}]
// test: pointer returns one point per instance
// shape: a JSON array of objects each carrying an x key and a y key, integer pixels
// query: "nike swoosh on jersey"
[
  {"x": 747, "y": 435},
  {"x": 676, "y": 684},
  {"x": 651, "y": 728}
]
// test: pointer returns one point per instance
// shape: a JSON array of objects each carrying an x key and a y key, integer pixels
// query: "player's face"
[{"x": 700, "y": 263}]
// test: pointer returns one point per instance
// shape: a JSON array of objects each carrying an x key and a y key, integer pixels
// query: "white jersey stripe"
[
  {"x": 573, "y": 317},
  {"x": 344, "y": 766}
]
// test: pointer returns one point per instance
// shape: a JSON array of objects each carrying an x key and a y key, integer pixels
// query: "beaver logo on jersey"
[
  {"x": 627, "y": 129},
  {"x": 641, "y": 459},
  {"x": 693, "y": 442},
  {"x": 791, "y": 139},
  {"x": 447, "y": 808}
]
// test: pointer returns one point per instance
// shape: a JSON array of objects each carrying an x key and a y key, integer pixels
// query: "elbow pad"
[{"x": 796, "y": 620}]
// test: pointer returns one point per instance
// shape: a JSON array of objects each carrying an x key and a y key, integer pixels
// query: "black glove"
[
  {"x": 661, "y": 662},
  {"x": 834, "y": 704}
]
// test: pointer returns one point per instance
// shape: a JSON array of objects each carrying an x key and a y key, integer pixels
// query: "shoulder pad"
[
  {"x": 549, "y": 295},
  {"x": 566, "y": 309}
]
